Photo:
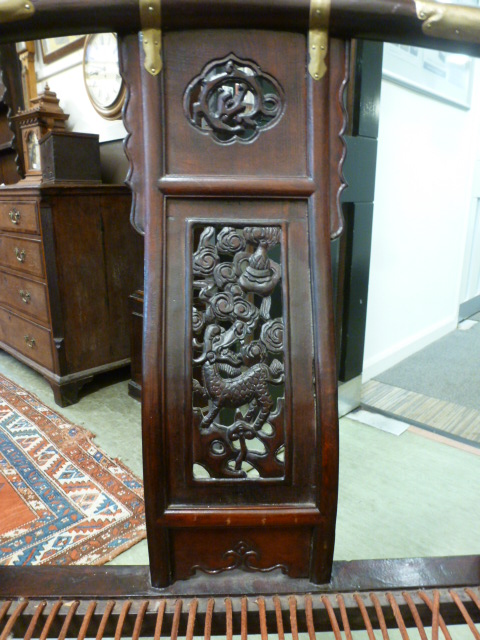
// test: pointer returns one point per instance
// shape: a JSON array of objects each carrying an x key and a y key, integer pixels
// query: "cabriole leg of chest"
[{"x": 236, "y": 172}]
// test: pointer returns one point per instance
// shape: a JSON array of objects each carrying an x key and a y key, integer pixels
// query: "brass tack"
[
  {"x": 146, "y": 41},
  {"x": 457, "y": 31},
  {"x": 316, "y": 75},
  {"x": 322, "y": 47},
  {"x": 422, "y": 15},
  {"x": 313, "y": 46},
  {"x": 150, "y": 8}
]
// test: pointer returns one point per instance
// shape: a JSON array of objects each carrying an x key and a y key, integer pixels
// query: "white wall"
[{"x": 426, "y": 159}]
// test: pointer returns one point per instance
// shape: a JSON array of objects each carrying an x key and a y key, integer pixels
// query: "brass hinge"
[
  {"x": 151, "y": 21},
  {"x": 318, "y": 37},
  {"x": 452, "y": 22},
  {"x": 11, "y": 10}
]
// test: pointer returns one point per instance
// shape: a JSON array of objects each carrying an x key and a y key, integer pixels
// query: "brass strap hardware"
[
  {"x": 25, "y": 296},
  {"x": 318, "y": 37},
  {"x": 11, "y": 10},
  {"x": 151, "y": 21},
  {"x": 20, "y": 255},
  {"x": 14, "y": 216},
  {"x": 30, "y": 341},
  {"x": 451, "y": 22}
]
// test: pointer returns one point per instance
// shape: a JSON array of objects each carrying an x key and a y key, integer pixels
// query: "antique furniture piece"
[
  {"x": 69, "y": 257},
  {"x": 235, "y": 158},
  {"x": 136, "y": 335},
  {"x": 11, "y": 99},
  {"x": 68, "y": 261},
  {"x": 8, "y": 167},
  {"x": 44, "y": 115},
  {"x": 227, "y": 457},
  {"x": 67, "y": 156},
  {"x": 226, "y": 460}
]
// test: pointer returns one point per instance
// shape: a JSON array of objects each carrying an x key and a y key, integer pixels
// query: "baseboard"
[
  {"x": 468, "y": 308},
  {"x": 376, "y": 365}
]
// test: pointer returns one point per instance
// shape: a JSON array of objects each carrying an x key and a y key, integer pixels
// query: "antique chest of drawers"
[{"x": 69, "y": 259}]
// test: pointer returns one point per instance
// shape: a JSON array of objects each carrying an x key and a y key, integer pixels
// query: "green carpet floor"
[{"x": 394, "y": 491}]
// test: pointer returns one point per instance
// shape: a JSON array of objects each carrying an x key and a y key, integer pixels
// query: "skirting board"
[{"x": 468, "y": 308}]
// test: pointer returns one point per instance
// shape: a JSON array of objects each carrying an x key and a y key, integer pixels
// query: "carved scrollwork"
[
  {"x": 239, "y": 347},
  {"x": 243, "y": 556},
  {"x": 233, "y": 100}
]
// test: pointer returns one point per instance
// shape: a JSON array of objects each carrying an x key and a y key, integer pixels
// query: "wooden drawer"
[
  {"x": 28, "y": 338},
  {"x": 22, "y": 254},
  {"x": 19, "y": 216},
  {"x": 25, "y": 296}
]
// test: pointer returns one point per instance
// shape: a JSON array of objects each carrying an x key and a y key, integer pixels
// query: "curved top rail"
[{"x": 385, "y": 20}]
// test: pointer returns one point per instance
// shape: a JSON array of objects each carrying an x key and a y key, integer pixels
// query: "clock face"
[
  {"x": 33, "y": 152},
  {"x": 103, "y": 82}
]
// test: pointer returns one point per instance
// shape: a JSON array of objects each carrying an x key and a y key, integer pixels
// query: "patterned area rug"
[{"x": 62, "y": 500}]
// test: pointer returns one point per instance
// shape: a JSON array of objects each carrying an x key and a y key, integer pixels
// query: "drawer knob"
[
  {"x": 14, "y": 216},
  {"x": 30, "y": 341},
  {"x": 25, "y": 296},
  {"x": 20, "y": 255}
]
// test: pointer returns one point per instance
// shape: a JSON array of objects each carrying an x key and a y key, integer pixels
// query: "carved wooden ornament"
[
  {"x": 237, "y": 188},
  {"x": 233, "y": 100},
  {"x": 240, "y": 432}
]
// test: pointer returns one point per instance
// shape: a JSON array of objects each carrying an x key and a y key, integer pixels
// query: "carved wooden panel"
[
  {"x": 241, "y": 166},
  {"x": 220, "y": 320},
  {"x": 269, "y": 552},
  {"x": 269, "y": 104},
  {"x": 239, "y": 375}
]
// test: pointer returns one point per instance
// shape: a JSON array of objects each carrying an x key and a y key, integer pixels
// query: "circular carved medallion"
[{"x": 233, "y": 100}]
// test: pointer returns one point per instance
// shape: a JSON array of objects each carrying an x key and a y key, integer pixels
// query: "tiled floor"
[{"x": 400, "y": 496}]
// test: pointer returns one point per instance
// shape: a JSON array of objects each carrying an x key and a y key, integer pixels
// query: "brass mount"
[
  {"x": 318, "y": 37},
  {"x": 451, "y": 22},
  {"x": 12, "y": 10},
  {"x": 151, "y": 34}
]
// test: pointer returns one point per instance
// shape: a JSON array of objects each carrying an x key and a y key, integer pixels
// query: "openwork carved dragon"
[
  {"x": 251, "y": 386},
  {"x": 242, "y": 351}
]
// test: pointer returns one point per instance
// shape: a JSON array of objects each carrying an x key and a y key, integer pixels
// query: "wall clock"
[{"x": 103, "y": 82}]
